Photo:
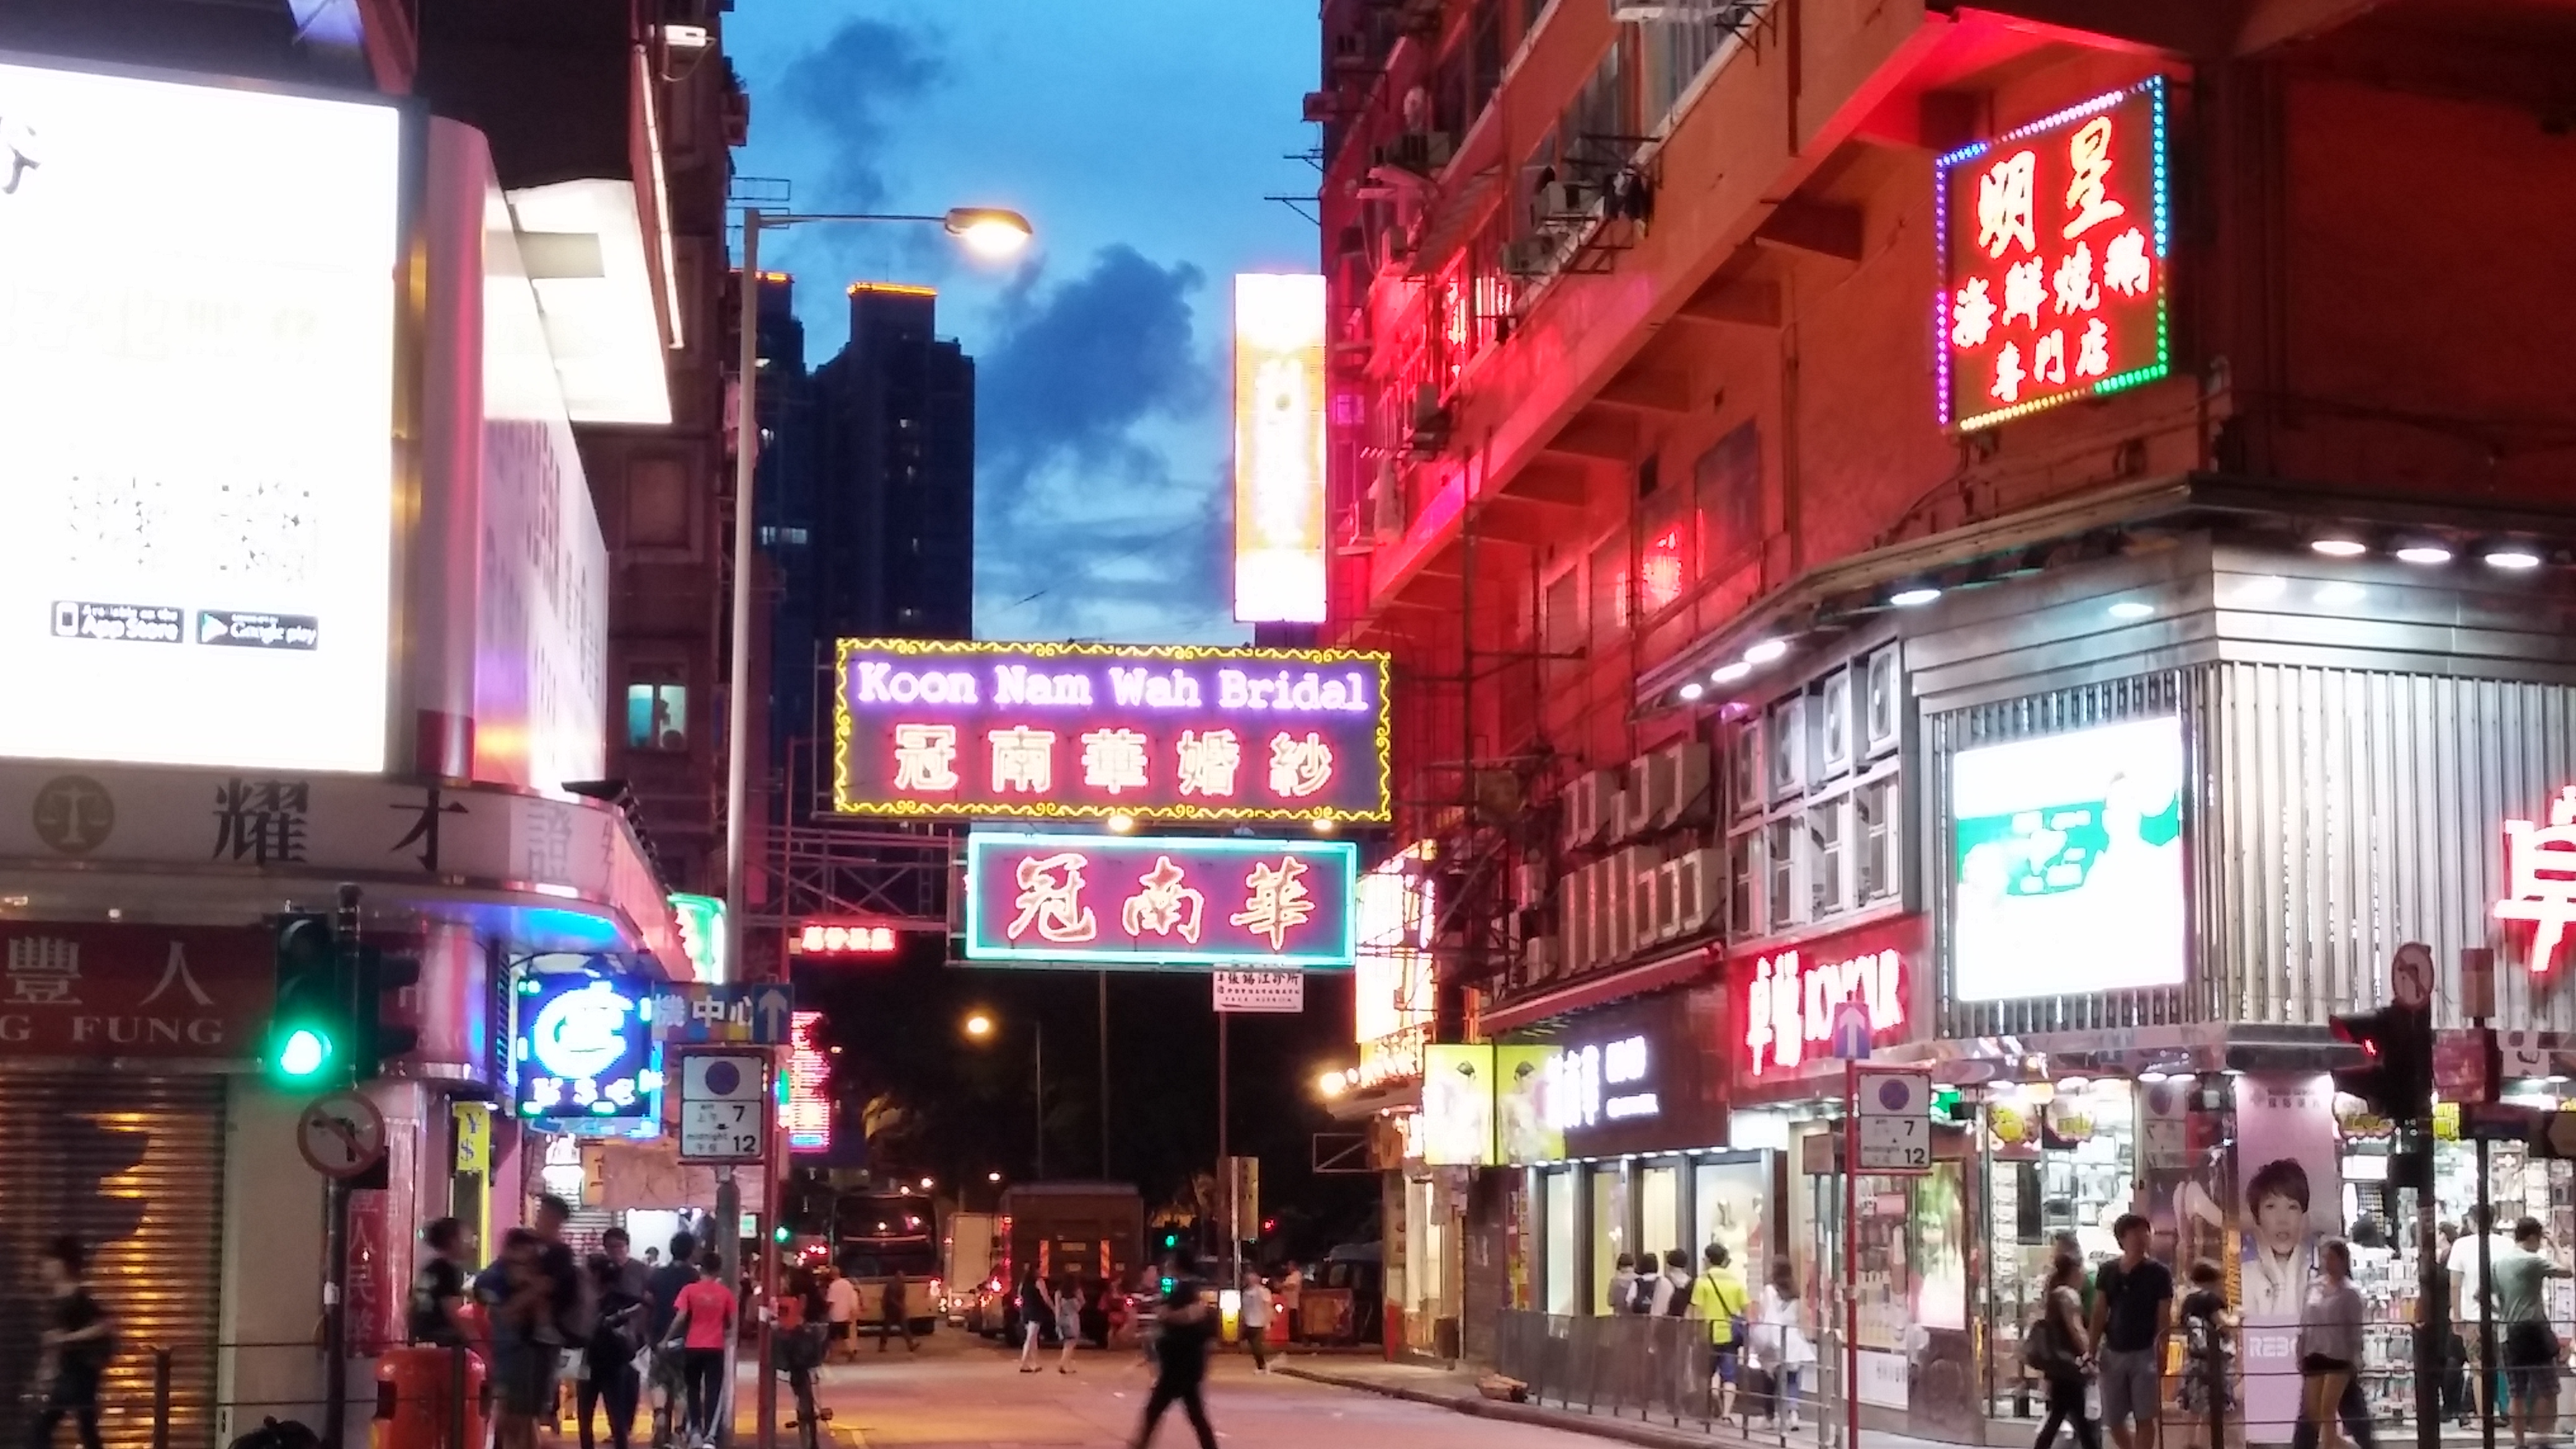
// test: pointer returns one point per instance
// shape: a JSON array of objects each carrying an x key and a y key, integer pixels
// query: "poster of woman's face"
[{"x": 2291, "y": 1181}]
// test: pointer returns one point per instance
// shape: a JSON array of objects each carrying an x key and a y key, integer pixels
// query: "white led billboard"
[
  {"x": 2067, "y": 863},
  {"x": 1278, "y": 449},
  {"x": 196, "y": 414}
]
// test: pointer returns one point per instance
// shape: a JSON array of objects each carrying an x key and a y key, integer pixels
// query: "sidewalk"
[{"x": 1455, "y": 1389}]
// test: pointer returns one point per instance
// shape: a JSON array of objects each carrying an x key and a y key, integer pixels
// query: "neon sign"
[
  {"x": 1148, "y": 901},
  {"x": 845, "y": 938},
  {"x": 1392, "y": 988},
  {"x": 2054, "y": 238},
  {"x": 584, "y": 1049},
  {"x": 702, "y": 933},
  {"x": 1075, "y": 731},
  {"x": 1794, "y": 995},
  {"x": 1279, "y": 449},
  {"x": 1584, "y": 1085},
  {"x": 2540, "y": 877},
  {"x": 807, "y": 1112}
]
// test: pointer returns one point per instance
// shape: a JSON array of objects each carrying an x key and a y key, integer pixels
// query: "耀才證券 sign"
[{"x": 1087, "y": 731}]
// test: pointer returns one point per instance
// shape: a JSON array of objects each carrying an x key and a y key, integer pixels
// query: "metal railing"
[{"x": 1664, "y": 1370}]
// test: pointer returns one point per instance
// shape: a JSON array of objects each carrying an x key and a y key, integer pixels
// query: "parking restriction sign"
[{"x": 724, "y": 1106}]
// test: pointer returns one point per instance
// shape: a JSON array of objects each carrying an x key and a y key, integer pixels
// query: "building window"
[
  {"x": 657, "y": 716},
  {"x": 1875, "y": 805},
  {"x": 1824, "y": 860},
  {"x": 1780, "y": 860}
]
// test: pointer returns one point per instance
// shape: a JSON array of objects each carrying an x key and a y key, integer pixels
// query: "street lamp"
[
  {"x": 980, "y": 1027},
  {"x": 988, "y": 231}
]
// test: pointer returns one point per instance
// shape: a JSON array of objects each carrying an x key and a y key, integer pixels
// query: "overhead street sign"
[
  {"x": 724, "y": 1106},
  {"x": 753, "y": 1014}
]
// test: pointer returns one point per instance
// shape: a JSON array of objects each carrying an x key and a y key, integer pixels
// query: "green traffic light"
[
  {"x": 780, "y": 1234},
  {"x": 304, "y": 1053}
]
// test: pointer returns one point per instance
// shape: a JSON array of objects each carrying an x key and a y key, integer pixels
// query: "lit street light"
[
  {"x": 987, "y": 231},
  {"x": 980, "y": 1027},
  {"x": 992, "y": 1177}
]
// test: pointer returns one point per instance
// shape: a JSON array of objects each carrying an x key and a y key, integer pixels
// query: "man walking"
[
  {"x": 2132, "y": 1321},
  {"x": 1184, "y": 1333},
  {"x": 897, "y": 1315},
  {"x": 841, "y": 1310},
  {"x": 438, "y": 1289},
  {"x": 2521, "y": 1279},
  {"x": 78, "y": 1340},
  {"x": 1256, "y": 1319},
  {"x": 662, "y": 1288},
  {"x": 1719, "y": 1298}
]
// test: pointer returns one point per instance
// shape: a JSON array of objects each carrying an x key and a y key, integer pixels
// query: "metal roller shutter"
[{"x": 133, "y": 1165}]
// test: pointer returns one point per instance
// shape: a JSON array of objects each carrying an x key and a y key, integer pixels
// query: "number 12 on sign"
[
  {"x": 1895, "y": 1144},
  {"x": 721, "y": 1131}
]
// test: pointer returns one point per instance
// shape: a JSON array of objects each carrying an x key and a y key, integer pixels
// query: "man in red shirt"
[{"x": 704, "y": 1326}]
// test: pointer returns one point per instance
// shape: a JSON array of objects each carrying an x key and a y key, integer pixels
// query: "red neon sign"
[
  {"x": 1793, "y": 995},
  {"x": 846, "y": 938},
  {"x": 2540, "y": 877},
  {"x": 2053, "y": 242},
  {"x": 1150, "y": 901}
]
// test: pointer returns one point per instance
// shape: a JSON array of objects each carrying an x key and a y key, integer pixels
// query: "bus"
[{"x": 879, "y": 1237}]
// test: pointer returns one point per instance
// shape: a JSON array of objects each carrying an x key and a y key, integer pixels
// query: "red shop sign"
[
  {"x": 1792, "y": 995},
  {"x": 88, "y": 990},
  {"x": 2053, "y": 242}
]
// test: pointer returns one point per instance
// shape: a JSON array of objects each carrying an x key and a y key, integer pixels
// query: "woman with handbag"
[{"x": 2056, "y": 1348}]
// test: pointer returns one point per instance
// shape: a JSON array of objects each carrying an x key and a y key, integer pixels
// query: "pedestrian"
[
  {"x": 608, "y": 1358},
  {"x": 2329, "y": 1348},
  {"x": 2208, "y": 1327},
  {"x": 1719, "y": 1298},
  {"x": 662, "y": 1292},
  {"x": 1292, "y": 1291},
  {"x": 525, "y": 1341},
  {"x": 631, "y": 1276},
  {"x": 2056, "y": 1347},
  {"x": 1623, "y": 1285},
  {"x": 841, "y": 1309},
  {"x": 2132, "y": 1322},
  {"x": 2531, "y": 1348},
  {"x": 1671, "y": 1288},
  {"x": 569, "y": 1315},
  {"x": 652, "y": 1259},
  {"x": 1779, "y": 1335},
  {"x": 1031, "y": 1300},
  {"x": 1068, "y": 1321},
  {"x": 1185, "y": 1333},
  {"x": 79, "y": 1339},
  {"x": 897, "y": 1316},
  {"x": 704, "y": 1325},
  {"x": 437, "y": 1314},
  {"x": 1255, "y": 1318}
]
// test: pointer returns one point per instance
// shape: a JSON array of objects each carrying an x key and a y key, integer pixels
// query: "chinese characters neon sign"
[
  {"x": 2054, "y": 238},
  {"x": 807, "y": 1112},
  {"x": 1148, "y": 901},
  {"x": 1792, "y": 997},
  {"x": 2540, "y": 877},
  {"x": 845, "y": 938},
  {"x": 1075, "y": 731}
]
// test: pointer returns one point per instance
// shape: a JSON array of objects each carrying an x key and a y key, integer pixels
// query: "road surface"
[{"x": 959, "y": 1392}]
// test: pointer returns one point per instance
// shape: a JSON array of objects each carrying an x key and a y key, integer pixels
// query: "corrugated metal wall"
[{"x": 2351, "y": 810}]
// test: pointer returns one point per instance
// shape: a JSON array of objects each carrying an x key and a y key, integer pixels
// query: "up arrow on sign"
[{"x": 775, "y": 1014}]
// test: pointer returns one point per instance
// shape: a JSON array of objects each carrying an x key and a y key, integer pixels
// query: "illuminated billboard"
[
  {"x": 1392, "y": 985},
  {"x": 2067, "y": 863},
  {"x": 1144, "y": 901},
  {"x": 1456, "y": 1127},
  {"x": 197, "y": 301},
  {"x": 1073, "y": 731},
  {"x": 807, "y": 1113},
  {"x": 582, "y": 1051},
  {"x": 2053, "y": 240},
  {"x": 1279, "y": 449}
]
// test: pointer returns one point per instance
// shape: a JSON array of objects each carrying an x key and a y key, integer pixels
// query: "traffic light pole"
[{"x": 335, "y": 1222}]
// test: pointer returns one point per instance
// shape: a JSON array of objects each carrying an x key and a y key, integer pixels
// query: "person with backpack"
[
  {"x": 608, "y": 1358},
  {"x": 2056, "y": 1348},
  {"x": 1623, "y": 1285},
  {"x": 79, "y": 1340},
  {"x": 1719, "y": 1298},
  {"x": 2208, "y": 1325},
  {"x": 1669, "y": 1293}
]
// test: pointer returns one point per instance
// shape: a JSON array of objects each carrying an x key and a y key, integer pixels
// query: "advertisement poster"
[
  {"x": 2292, "y": 1196},
  {"x": 2067, "y": 862},
  {"x": 197, "y": 300},
  {"x": 1520, "y": 1093},
  {"x": 1457, "y": 1126}
]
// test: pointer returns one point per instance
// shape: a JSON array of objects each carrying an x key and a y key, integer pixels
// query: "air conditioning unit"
[
  {"x": 1650, "y": 795},
  {"x": 1699, "y": 891},
  {"x": 1681, "y": 773},
  {"x": 1566, "y": 201},
  {"x": 1637, "y": 875},
  {"x": 1539, "y": 958},
  {"x": 1668, "y": 885},
  {"x": 1430, "y": 420},
  {"x": 1617, "y": 902},
  {"x": 1622, "y": 817},
  {"x": 1588, "y": 802},
  {"x": 1734, "y": 15},
  {"x": 1574, "y": 919}
]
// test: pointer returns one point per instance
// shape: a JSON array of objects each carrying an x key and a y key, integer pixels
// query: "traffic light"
[
  {"x": 381, "y": 979},
  {"x": 308, "y": 1022},
  {"x": 2395, "y": 1077},
  {"x": 1171, "y": 1240}
]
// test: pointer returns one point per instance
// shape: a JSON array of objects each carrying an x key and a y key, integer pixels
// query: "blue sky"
[{"x": 1140, "y": 137}]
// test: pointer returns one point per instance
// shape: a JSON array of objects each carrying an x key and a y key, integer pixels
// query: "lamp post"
[
  {"x": 987, "y": 231},
  {"x": 980, "y": 1026}
]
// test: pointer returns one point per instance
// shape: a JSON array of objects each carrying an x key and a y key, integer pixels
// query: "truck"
[
  {"x": 1094, "y": 1231},
  {"x": 973, "y": 1248}
]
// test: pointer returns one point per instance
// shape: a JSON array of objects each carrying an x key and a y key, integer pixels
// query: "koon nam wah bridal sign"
[{"x": 1074, "y": 731}]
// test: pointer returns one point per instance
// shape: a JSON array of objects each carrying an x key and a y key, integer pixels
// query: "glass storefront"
[
  {"x": 1610, "y": 1232},
  {"x": 1558, "y": 1261},
  {"x": 2060, "y": 1158}
]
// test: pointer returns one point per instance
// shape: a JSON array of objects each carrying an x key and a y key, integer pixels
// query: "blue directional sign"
[{"x": 754, "y": 1014}]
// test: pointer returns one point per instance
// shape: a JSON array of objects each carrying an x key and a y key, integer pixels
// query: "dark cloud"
[
  {"x": 1084, "y": 528},
  {"x": 848, "y": 88}
]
